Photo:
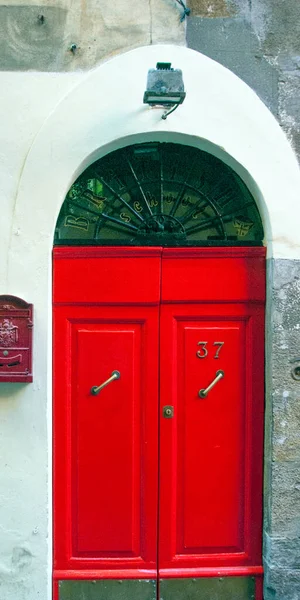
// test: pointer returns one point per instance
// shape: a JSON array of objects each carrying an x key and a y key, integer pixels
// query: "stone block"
[
  {"x": 277, "y": 23},
  {"x": 285, "y": 272},
  {"x": 281, "y": 584},
  {"x": 289, "y": 105},
  {"x": 283, "y": 332},
  {"x": 212, "y": 8},
  {"x": 68, "y": 37},
  {"x": 31, "y": 36},
  {"x": 289, "y": 91},
  {"x": 282, "y": 552},
  {"x": 285, "y": 500},
  {"x": 285, "y": 356},
  {"x": 231, "y": 42},
  {"x": 286, "y": 426}
]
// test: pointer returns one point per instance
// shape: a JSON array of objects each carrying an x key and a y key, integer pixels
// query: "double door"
[{"x": 158, "y": 422}]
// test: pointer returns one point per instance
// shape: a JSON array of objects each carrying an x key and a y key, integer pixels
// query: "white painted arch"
[
  {"x": 221, "y": 114},
  {"x": 105, "y": 111}
]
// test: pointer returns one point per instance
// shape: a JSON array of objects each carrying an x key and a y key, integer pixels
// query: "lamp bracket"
[{"x": 168, "y": 112}]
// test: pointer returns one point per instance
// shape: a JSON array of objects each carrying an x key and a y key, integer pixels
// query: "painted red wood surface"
[
  {"x": 55, "y": 590},
  {"x": 211, "y": 451},
  {"x": 259, "y": 588},
  {"x": 123, "y": 312},
  {"x": 106, "y": 275},
  {"x": 213, "y": 274},
  {"x": 105, "y": 446}
]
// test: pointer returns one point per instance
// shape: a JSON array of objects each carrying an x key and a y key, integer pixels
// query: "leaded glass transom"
[{"x": 159, "y": 194}]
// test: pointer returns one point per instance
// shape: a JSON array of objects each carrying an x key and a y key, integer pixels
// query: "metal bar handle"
[
  {"x": 97, "y": 388},
  {"x": 203, "y": 393}
]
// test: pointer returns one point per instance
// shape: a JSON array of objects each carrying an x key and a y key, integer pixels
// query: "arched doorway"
[{"x": 159, "y": 289}]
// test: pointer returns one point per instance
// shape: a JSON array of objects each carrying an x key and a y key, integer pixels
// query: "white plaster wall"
[
  {"x": 26, "y": 100},
  {"x": 55, "y": 125}
]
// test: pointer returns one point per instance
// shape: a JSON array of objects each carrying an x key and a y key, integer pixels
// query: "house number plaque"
[{"x": 204, "y": 351}]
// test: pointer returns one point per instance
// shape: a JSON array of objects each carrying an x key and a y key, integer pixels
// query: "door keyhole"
[{"x": 168, "y": 412}]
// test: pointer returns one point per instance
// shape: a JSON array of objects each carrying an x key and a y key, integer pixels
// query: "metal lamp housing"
[{"x": 165, "y": 86}]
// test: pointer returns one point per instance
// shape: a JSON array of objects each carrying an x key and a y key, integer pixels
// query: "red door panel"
[
  {"x": 212, "y": 444},
  {"x": 213, "y": 275},
  {"x": 211, "y": 451},
  {"x": 106, "y": 523},
  {"x": 106, "y": 275},
  {"x": 106, "y": 444}
]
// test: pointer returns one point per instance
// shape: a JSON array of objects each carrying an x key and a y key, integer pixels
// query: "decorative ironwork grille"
[{"x": 159, "y": 194}]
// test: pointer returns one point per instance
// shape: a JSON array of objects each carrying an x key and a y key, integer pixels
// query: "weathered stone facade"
[
  {"x": 67, "y": 36},
  {"x": 282, "y": 468},
  {"x": 259, "y": 40}
]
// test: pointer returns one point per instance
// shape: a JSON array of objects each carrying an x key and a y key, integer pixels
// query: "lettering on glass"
[
  {"x": 95, "y": 199},
  {"x": 138, "y": 207},
  {"x": 169, "y": 198},
  {"x": 242, "y": 225},
  {"x": 125, "y": 217},
  {"x": 151, "y": 199},
  {"x": 79, "y": 222},
  {"x": 186, "y": 201},
  {"x": 203, "y": 351}
]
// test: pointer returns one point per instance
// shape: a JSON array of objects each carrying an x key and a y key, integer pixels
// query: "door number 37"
[{"x": 203, "y": 352}]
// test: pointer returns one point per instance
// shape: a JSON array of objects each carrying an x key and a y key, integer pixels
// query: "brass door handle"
[
  {"x": 203, "y": 393},
  {"x": 97, "y": 388}
]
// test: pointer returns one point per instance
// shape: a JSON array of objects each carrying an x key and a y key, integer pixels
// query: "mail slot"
[{"x": 15, "y": 340}]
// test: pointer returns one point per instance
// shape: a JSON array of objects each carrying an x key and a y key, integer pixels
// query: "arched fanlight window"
[{"x": 159, "y": 194}]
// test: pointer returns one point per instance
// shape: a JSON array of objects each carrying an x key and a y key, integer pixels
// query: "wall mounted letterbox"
[{"x": 15, "y": 340}]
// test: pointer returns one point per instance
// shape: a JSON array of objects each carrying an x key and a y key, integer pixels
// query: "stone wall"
[
  {"x": 282, "y": 468},
  {"x": 68, "y": 36},
  {"x": 259, "y": 40}
]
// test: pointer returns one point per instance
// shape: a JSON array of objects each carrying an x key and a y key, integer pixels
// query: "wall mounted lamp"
[{"x": 164, "y": 88}]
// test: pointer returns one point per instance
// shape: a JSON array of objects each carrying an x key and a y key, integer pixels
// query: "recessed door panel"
[
  {"x": 125, "y": 589},
  {"x": 107, "y": 438},
  {"x": 211, "y": 436},
  {"x": 210, "y": 466},
  {"x": 106, "y": 428},
  {"x": 208, "y": 588}
]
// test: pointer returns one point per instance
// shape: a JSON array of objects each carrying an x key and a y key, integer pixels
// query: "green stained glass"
[{"x": 159, "y": 194}]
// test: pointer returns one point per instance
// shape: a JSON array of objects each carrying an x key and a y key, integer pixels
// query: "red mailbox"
[{"x": 15, "y": 340}]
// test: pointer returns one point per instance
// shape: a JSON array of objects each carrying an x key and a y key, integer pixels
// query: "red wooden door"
[
  {"x": 140, "y": 493},
  {"x": 211, "y": 451},
  {"x": 106, "y": 445}
]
